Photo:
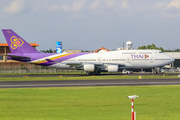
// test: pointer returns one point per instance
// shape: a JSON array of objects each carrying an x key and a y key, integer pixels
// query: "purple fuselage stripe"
[
  {"x": 36, "y": 56},
  {"x": 69, "y": 57}
]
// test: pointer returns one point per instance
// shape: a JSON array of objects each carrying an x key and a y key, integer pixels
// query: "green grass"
[
  {"x": 61, "y": 77},
  {"x": 42, "y": 73},
  {"x": 90, "y": 103}
]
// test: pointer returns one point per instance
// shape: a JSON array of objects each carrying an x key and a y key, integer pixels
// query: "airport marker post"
[{"x": 132, "y": 103}]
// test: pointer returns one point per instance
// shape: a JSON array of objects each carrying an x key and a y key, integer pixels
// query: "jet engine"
[
  {"x": 89, "y": 67},
  {"x": 112, "y": 68}
]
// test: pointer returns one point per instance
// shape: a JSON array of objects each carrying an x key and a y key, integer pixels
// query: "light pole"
[{"x": 132, "y": 98}]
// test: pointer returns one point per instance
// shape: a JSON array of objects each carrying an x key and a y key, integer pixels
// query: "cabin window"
[
  {"x": 162, "y": 59},
  {"x": 145, "y": 53},
  {"x": 128, "y": 53},
  {"x": 71, "y": 60},
  {"x": 140, "y": 59},
  {"x": 118, "y": 59},
  {"x": 87, "y": 60}
]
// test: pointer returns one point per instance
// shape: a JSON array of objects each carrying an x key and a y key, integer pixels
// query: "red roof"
[
  {"x": 102, "y": 48},
  {"x": 32, "y": 44}
]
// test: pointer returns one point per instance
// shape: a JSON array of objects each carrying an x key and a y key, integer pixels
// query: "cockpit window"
[{"x": 160, "y": 52}]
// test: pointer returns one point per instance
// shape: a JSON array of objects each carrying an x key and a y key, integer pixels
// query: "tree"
[
  {"x": 142, "y": 47},
  {"x": 47, "y": 51},
  {"x": 153, "y": 46}
]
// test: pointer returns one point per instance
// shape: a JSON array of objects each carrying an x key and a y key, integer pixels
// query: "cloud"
[
  {"x": 174, "y": 3},
  {"x": 167, "y": 6},
  {"x": 110, "y": 3},
  {"x": 78, "y": 5},
  {"x": 65, "y": 7},
  {"x": 58, "y": 7},
  {"x": 95, "y": 4},
  {"x": 166, "y": 9},
  {"x": 170, "y": 15},
  {"x": 125, "y": 4},
  {"x": 54, "y": 8},
  {"x": 160, "y": 5},
  {"x": 14, "y": 7}
]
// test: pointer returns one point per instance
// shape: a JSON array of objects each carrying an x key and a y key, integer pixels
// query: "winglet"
[{"x": 50, "y": 61}]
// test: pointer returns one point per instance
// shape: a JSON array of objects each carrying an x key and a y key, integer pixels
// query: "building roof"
[
  {"x": 32, "y": 44},
  {"x": 175, "y": 55},
  {"x": 102, "y": 48}
]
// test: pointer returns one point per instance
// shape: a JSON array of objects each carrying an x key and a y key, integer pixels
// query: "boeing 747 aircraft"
[{"x": 95, "y": 63}]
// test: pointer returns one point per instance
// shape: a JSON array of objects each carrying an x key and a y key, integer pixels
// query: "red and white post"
[
  {"x": 132, "y": 105},
  {"x": 132, "y": 116}
]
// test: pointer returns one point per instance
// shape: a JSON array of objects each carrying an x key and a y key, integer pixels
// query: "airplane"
[{"x": 91, "y": 63}]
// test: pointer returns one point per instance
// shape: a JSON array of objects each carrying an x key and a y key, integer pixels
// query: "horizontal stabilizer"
[
  {"x": 19, "y": 58},
  {"x": 15, "y": 56}
]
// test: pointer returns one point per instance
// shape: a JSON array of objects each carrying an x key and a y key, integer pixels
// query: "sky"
[{"x": 91, "y": 24}]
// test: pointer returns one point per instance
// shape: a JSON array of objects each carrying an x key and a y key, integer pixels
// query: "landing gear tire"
[
  {"x": 155, "y": 72},
  {"x": 88, "y": 73},
  {"x": 97, "y": 73},
  {"x": 91, "y": 73}
]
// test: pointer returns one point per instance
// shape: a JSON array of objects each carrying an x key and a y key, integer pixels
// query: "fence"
[{"x": 30, "y": 68}]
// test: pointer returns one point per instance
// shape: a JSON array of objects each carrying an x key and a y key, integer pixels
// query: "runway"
[{"x": 84, "y": 83}]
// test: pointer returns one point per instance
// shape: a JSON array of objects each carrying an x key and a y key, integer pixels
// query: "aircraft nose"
[{"x": 172, "y": 59}]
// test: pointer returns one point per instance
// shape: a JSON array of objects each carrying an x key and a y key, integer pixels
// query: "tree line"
[{"x": 153, "y": 46}]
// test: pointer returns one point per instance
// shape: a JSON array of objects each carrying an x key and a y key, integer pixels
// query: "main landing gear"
[{"x": 93, "y": 73}]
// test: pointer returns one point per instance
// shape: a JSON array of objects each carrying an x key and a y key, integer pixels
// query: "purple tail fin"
[{"x": 16, "y": 43}]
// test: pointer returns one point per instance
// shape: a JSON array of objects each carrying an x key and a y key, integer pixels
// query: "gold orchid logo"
[{"x": 16, "y": 42}]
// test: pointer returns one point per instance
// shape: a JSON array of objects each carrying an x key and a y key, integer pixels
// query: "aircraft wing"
[
  {"x": 76, "y": 64},
  {"x": 72, "y": 63},
  {"x": 80, "y": 65},
  {"x": 67, "y": 63}
]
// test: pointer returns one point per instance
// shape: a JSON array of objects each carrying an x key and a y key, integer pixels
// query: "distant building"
[
  {"x": 176, "y": 56},
  {"x": 4, "y": 49},
  {"x": 72, "y": 51},
  {"x": 129, "y": 45},
  {"x": 102, "y": 48}
]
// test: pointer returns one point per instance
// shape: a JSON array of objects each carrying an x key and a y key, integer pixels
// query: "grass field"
[
  {"x": 90, "y": 103},
  {"x": 61, "y": 77}
]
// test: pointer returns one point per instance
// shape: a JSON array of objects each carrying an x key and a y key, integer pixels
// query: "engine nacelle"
[
  {"x": 112, "y": 68},
  {"x": 89, "y": 67}
]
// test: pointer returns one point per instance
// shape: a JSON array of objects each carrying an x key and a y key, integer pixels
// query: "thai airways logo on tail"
[{"x": 16, "y": 42}]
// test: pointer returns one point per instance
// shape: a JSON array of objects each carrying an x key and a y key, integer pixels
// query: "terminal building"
[
  {"x": 176, "y": 56},
  {"x": 4, "y": 49}
]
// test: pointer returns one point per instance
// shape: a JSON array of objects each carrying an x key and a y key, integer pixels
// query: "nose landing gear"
[{"x": 155, "y": 70}]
